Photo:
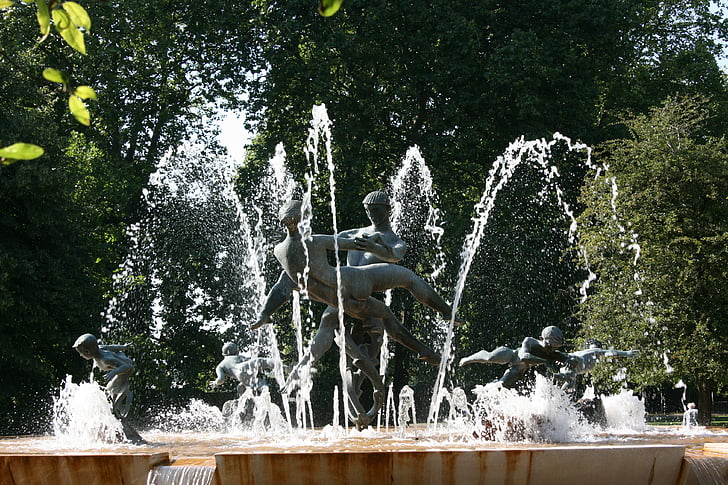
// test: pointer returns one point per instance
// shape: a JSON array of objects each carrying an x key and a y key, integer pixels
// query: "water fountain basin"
[{"x": 356, "y": 460}]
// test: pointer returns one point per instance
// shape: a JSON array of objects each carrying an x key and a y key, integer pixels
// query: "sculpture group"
[
  {"x": 371, "y": 253},
  {"x": 371, "y": 256},
  {"x": 348, "y": 292}
]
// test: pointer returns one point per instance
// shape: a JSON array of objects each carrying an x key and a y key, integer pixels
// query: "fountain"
[{"x": 502, "y": 436}]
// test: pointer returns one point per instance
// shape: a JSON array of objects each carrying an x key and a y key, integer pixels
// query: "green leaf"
[
  {"x": 6, "y": 4},
  {"x": 85, "y": 92},
  {"x": 54, "y": 75},
  {"x": 68, "y": 31},
  {"x": 329, "y": 7},
  {"x": 79, "y": 110},
  {"x": 44, "y": 18},
  {"x": 78, "y": 15},
  {"x": 20, "y": 151}
]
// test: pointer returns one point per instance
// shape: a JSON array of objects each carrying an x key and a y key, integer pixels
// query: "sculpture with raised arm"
[
  {"x": 376, "y": 243},
  {"x": 372, "y": 245}
]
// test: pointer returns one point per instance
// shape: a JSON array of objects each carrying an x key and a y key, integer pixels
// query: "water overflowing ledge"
[{"x": 659, "y": 457}]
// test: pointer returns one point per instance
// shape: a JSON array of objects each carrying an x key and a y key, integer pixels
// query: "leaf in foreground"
[
  {"x": 329, "y": 7},
  {"x": 20, "y": 151},
  {"x": 79, "y": 110}
]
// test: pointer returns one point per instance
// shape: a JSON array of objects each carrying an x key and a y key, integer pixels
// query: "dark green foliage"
[
  {"x": 461, "y": 83},
  {"x": 672, "y": 185}
]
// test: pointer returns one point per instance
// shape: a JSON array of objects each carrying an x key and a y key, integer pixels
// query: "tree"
[
  {"x": 666, "y": 297},
  {"x": 157, "y": 67},
  {"x": 461, "y": 89}
]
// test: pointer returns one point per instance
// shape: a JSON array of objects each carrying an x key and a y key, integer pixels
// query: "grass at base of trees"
[{"x": 719, "y": 420}]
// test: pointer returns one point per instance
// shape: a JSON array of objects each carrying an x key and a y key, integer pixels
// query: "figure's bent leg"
[
  {"x": 324, "y": 338},
  {"x": 320, "y": 344},
  {"x": 501, "y": 355},
  {"x": 387, "y": 276},
  {"x": 426, "y": 295},
  {"x": 481, "y": 357},
  {"x": 512, "y": 375},
  {"x": 373, "y": 308},
  {"x": 401, "y": 334}
]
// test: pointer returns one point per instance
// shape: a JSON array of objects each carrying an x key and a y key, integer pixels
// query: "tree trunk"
[{"x": 705, "y": 402}]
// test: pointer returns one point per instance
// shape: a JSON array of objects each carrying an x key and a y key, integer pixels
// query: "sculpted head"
[
  {"x": 377, "y": 197},
  {"x": 229, "y": 349},
  {"x": 87, "y": 346},
  {"x": 552, "y": 337},
  {"x": 290, "y": 212},
  {"x": 377, "y": 206}
]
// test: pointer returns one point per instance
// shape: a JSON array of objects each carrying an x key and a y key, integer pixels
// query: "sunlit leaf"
[
  {"x": 61, "y": 19},
  {"x": 85, "y": 92},
  {"x": 78, "y": 15},
  {"x": 54, "y": 75},
  {"x": 68, "y": 31},
  {"x": 79, "y": 110},
  {"x": 20, "y": 151},
  {"x": 6, "y": 4},
  {"x": 44, "y": 17},
  {"x": 327, "y": 8}
]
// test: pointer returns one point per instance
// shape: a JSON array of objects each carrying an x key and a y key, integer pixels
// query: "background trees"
[
  {"x": 461, "y": 88},
  {"x": 673, "y": 177},
  {"x": 156, "y": 68}
]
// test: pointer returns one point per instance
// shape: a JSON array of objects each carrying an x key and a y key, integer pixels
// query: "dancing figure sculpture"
[
  {"x": 301, "y": 256},
  {"x": 376, "y": 243}
]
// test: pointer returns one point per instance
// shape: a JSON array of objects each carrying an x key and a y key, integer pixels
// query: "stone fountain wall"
[{"x": 605, "y": 465}]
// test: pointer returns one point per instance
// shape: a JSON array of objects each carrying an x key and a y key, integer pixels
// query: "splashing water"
[
  {"x": 321, "y": 129},
  {"x": 406, "y": 410},
  {"x": 536, "y": 152},
  {"x": 175, "y": 179},
  {"x": 82, "y": 416},
  {"x": 416, "y": 219},
  {"x": 624, "y": 412},
  {"x": 190, "y": 200},
  {"x": 197, "y": 416},
  {"x": 544, "y": 415}
]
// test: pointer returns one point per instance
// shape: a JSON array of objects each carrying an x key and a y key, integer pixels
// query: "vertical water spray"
[
  {"x": 538, "y": 153},
  {"x": 321, "y": 130},
  {"x": 198, "y": 253},
  {"x": 416, "y": 219},
  {"x": 406, "y": 411}
]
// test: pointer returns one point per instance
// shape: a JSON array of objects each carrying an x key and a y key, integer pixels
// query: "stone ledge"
[
  {"x": 603, "y": 465},
  {"x": 78, "y": 468}
]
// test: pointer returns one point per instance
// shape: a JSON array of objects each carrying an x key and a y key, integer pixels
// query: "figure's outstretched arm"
[
  {"x": 343, "y": 243},
  {"x": 276, "y": 298},
  {"x": 115, "y": 347},
  {"x": 373, "y": 244},
  {"x": 621, "y": 353}
]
